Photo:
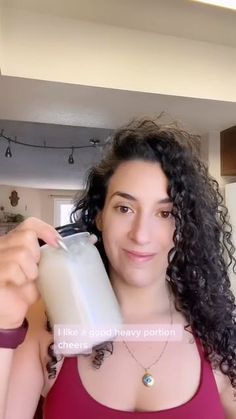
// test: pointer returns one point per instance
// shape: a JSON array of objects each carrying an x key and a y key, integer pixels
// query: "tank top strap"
[{"x": 200, "y": 347}]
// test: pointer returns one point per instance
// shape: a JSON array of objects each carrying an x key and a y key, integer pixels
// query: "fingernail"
[
  {"x": 93, "y": 238},
  {"x": 62, "y": 245},
  {"x": 57, "y": 239}
]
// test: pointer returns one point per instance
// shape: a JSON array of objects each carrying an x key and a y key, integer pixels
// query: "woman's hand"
[{"x": 19, "y": 258}]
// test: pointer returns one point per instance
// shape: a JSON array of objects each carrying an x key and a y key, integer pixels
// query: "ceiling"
[
  {"x": 55, "y": 113},
  {"x": 75, "y": 106},
  {"x": 181, "y": 18}
]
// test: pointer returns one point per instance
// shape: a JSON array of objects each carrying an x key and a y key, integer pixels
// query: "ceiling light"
[
  {"x": 8, "y": 151},
  {"x": 71, "y": 158},
  {"x": 229, "y": 4},
  {"x": 94, "y": 141}
]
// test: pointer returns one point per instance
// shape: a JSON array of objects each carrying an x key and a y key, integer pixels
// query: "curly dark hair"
[{"x": 203, "y": 251}]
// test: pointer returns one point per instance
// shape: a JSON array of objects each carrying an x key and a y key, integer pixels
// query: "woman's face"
[{"x": 136, "y": 223}]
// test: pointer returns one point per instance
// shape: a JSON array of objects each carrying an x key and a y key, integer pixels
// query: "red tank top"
[{"x": 68, "y": 399}]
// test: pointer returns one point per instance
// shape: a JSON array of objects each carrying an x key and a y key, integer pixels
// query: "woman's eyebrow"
[{"x": 125, "y": 195}]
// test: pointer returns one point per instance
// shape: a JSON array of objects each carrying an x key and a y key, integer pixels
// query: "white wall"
[
  {"x": 74, "y": 51},
  {"x": 29, "y": 204},
  {"x": 33, "y": 202}
]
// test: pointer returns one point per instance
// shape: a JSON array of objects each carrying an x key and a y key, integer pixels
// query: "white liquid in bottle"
[{"x": 76, "y": 290}]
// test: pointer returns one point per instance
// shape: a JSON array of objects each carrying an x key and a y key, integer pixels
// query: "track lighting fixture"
[{"x": 93, "y": 143}]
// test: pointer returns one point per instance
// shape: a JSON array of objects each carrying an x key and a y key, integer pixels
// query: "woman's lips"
[{"x": 139, "y": 256}]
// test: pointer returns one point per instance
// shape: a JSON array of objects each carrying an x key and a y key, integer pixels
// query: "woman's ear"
[{"x": 98, "y": 221}]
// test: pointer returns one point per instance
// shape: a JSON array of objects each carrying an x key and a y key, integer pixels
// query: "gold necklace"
[{"x": 148, "y": 379}]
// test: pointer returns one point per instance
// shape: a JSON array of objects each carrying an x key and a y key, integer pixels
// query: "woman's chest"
[{"x": 118, "y": 383}]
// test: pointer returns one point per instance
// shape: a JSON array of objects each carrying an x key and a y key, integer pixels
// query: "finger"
[
  {"x": 27, "y": 263},
  {"x": 15, "y": 238},
  {"x": 11, "y": 273},
  {"x": 29, "y": 293},
  {"x": 22, "y": 257},
  {"x": 44, "y": 231},
  {"x": 93, "y": 238}
]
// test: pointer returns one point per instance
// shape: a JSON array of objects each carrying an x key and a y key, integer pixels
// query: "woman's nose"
[{"x": 140, "y": 229}]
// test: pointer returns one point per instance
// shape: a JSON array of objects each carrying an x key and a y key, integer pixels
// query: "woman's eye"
[
  {"x": 165, "y": 214},
  {"x": 123, "y": 209}
]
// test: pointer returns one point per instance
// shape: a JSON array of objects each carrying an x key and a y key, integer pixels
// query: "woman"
[{"x": 164, "y": 239}]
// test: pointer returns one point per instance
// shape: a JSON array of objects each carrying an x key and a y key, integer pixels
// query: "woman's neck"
[{"x": 140, "y": 303}]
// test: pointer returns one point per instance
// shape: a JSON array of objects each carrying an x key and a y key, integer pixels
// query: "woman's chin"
[{"x": 139, "y": 281}]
